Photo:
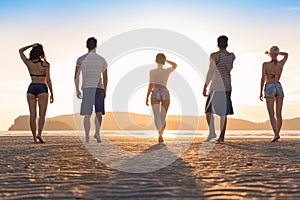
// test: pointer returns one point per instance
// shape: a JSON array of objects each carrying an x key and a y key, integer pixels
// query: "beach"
[{"x": 62, "y": 168}]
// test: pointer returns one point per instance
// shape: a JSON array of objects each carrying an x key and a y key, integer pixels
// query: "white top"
[
  {"x": 92, "y": 66},
  {"x": 160, "y": 75}
]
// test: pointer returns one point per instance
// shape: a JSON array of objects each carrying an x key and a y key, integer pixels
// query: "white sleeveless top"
[{"x": 160, "y": 75}]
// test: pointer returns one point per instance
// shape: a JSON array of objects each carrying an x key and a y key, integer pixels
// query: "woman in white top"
[{"x": 160, "y": 97}]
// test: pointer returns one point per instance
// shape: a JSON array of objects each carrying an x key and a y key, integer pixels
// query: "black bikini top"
[{"x": 40, "y": 75}]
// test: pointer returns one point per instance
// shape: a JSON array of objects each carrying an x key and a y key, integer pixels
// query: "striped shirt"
[
  {"x": 221, "y": 77},
  {"x": 92, "y": 66}
]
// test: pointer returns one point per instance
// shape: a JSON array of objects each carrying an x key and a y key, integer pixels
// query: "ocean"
[{"x": 168, "y": 133}]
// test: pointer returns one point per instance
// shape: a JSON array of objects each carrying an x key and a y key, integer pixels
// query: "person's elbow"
[
  {"x": 48, "y": 80},
  {"x": 286, "y": 55}
]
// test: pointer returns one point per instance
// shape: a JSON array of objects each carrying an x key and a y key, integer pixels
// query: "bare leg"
[
  {"x": 156, "y": 112},
  {"x": 211, "y": 126},
  {"x": 87, "y": 127},
  {"x": 163, "y": 113},
  {"x": 223, "y": 120},
  {"x": 31, "y": 99},
  {"x": 43, "y": 103},
  {"x": 279, "y": 103},
  {"x": 98, "y": 122},
  {"x": 270, "y": 107}
]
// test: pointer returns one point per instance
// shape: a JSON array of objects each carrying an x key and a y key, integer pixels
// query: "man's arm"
[
  {"x": 105, "y": 81},
  {"x": 212, "y": 66},
  {"x": 76, "y": 80}
]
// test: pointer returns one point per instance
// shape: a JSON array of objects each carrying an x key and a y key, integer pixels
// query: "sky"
[{"x": 63, "y": 27}]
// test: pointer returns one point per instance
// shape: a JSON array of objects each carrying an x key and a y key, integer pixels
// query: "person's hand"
[
  {"x": 147, "y": 102},
  {"x": 261, "y": 97},
  {"x": 78, "y": 94},
  {"x": 204, "y": 92},
  {"x": 104, "y": 93},
  {"x": 51, "y": 98}
]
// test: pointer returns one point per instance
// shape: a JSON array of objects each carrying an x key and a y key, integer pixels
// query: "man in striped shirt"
[
  {"x": 94, "y": 82},
  {"x": 219, "y": 97}
]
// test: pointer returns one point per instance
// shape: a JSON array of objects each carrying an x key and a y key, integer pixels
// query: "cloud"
[{"x": 296, "y": 8}]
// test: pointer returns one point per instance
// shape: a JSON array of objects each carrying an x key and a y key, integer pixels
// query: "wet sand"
[{"x": 63, "y": 169}]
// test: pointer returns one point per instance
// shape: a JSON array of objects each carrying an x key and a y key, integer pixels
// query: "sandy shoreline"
[{"x": 63, "y": 169}]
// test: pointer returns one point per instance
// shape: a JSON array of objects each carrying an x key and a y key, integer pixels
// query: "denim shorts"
[
  {"x": 273, "y": 89},
  {"x": 160, "y": 94},
  {"x": 92, "y": 97}
]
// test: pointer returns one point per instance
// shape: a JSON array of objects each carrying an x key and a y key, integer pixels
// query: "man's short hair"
[
  {"x": 223, "y": 41},
  {"x": 91, "y": 43}
]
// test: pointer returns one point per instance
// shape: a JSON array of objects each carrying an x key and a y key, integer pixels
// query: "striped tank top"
[{"x": 221, "y": 79}]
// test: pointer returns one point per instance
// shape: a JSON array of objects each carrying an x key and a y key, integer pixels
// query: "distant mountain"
[
  {"x": 22, "y": 124},
  {"x": 132, "y": 121}
]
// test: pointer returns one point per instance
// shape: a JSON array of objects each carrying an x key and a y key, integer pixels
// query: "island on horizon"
[{"x": 133, "y": 121}]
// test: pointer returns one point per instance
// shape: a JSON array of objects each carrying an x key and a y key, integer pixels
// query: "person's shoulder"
[
  {"x": 80, "y": 58},
  {"x": 169, "y": 69},
  {"x": 98, "y": 56},
  {"x": 215, "y": 54},
  {"x": 267, "y": 63},
  {"x": 232, "y": 54},
  {"x": 153, "y": 70},
  {"x": 45, "y": 64}
]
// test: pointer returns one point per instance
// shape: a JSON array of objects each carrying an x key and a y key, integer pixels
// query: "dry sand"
[{"x": 63, "y": 169}]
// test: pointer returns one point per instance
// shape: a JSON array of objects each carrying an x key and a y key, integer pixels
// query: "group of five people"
[{"x": 94, "y": 83}]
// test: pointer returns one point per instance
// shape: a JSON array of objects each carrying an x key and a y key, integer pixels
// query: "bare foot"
[
  {"x": 41, "y": 139},
  {"x": 220, "y": 142},
  {"x": 35, "y": 139},
  {"x": 276, "y": 138},
  {"x": 97, "y": 137},
  {"x": 160, "y": 140},
  {"x": 210, "y": 137}
]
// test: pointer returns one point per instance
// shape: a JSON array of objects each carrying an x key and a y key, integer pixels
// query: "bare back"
[
  {"x": 38, "y": 71},
  {"x": 273, "y": 71}
]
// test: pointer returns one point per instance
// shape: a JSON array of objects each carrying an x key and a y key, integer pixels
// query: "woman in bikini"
[
  {"x": 273, "y": 92},
  {"x": 160, "y": 97},
  {"x": 37, "y": 93}
]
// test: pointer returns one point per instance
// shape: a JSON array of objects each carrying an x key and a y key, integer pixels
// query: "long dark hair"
[{"x": 37, "y": 52}]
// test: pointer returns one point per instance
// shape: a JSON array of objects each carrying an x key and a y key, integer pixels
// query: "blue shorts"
[
  {"x": 160, "y": 94},
  {"x": 219, "y": 103},
  {"x": 92, "y": 97},
  {"x": 37, "y": 88},
  {"x": 273, "y": 89}
]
